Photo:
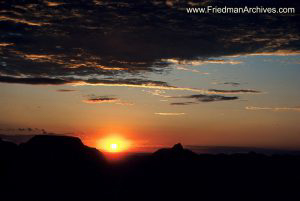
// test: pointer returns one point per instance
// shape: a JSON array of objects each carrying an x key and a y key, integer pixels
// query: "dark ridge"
[
  {"x": 66, "y": 149},
  {"x": 176, "y": 152},
  {"x": 17, "y": 139},
  {"x": 7, "y": 149},
  {"x": 177, "y": 147},
  {"x": 50, "y": 140},
  {"x": 61, "y": 168}
]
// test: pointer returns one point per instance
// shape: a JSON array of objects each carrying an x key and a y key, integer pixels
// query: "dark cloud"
[
  {"x": 211, "y": 98},
  {"x": 100, "y": 99},
  {"x": 71, "y": 80},
  {"x": 65, "y": 90},
  {"x": 275, "y": 109},
  {"x": 183, "y": 103},
  {"x": 108, "y": 39},
  {"x": 204, "y": 98},
  {"x": 129, "y": 82},
  {"x": 238, "y": 91},
  {"x": 234, "y": 84},
  {"x": 33, "y": 80},
  {"x": 93, "y": 99}
]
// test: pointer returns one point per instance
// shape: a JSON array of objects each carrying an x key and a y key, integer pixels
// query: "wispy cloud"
[
  {"x": 134, "y": 83},
  {"x": 105, "y": 99},
  {"x": 157, "y": 92},
  {"x": 183, "y": 103},
  {"x": 191, "y": 70},
  {"x": 5, "y": 44},
  {"x": 66, "y": 90},
  {"x": 203, "y": 98},
  {"x": 53, "y": 4},
  {"x": 275, "y": 109},
  {"x": 34, "y": 80},
  {"x": 234, "y": 84},
  {"x": 169, "y": 113},
  {"x": 162, "y": 86},
  {"x": 275, "y": 53},
  {"x": 235, "y": 91},
  {"x": 98, "y": 100},
  {"x": 210, "y": 98},
  {"x": 200, "y": 62},
  {"x": 22, "y": 21}
]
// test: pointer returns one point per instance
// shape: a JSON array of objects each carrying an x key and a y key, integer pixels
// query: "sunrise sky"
[{"x": 150, "y": 73}]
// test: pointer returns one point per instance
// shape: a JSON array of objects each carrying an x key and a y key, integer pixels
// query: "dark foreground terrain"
[{"x": 61, "y": 168}]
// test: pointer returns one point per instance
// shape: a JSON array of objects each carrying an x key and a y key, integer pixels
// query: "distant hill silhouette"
[
  {"x": 61, "y": 168},
  {"x": 176, "y": 152},
  {"x": 7, "y": 150},
  {"x": 47, "y": 166},
  {"x": 17, "y": 139},
  {"x": 236, "y": 149},
  {"x": 65, "y": 148}
]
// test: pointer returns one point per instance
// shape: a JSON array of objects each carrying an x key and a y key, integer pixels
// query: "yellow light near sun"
[{"x": 113, "y": 144}]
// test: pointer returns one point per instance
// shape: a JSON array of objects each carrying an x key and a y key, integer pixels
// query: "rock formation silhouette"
[
  {"x": 62, "y": 168},
  {"x": 177, "y": 152}
]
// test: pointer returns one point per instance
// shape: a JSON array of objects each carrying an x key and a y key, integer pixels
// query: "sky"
[{"x": 151, "y": 73}]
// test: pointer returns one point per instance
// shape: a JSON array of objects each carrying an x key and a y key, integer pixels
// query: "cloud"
[
  {"x": 183, "y": 103},
  {"x": 285, "y": 61},
  {"x": 22, "y": 21},
  {"x": 234, "y": 84},
  {"x": 33, "y": 80},
  {"x": 238, "y": 91},
  {"x": 169, "y": 113},
  {"x": 101, "y": 99},
  {"x": 210, "y": 98},
  {"x": 203, "y": 98},
  {"x": 66, "y": 90},
  {"x": 78, "y": 82},
  {"x": 5, "y": 44},
  {"x": 157, "y": 92},
  {"x": 191, "y": 70},
  {"x": 47, "y": 40},
  {"x": 51, "y": 3},
  {"x": 200, "y": 62},
  {"x": 275, "y": 53},
  {"x": 135, "y": 83},
  {"x": 159, "y": 85},
  {"x": 275, "y": 109},
  {"x": 124, "y": 103},
  {"x": 199, "y": 97},
  {"x": 105, "y": 99}
]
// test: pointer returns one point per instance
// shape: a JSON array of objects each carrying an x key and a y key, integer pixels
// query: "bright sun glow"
[{"x": 113, "y": 144}]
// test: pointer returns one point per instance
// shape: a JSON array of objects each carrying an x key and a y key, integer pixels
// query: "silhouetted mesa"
[
  {"x": 17, "y": 139},
  {"x": 7, "y": 150},
  {"x": 63, "y": 149},
  {"x": 176, "y": 152},
  {"x": 6, "y": 146}
]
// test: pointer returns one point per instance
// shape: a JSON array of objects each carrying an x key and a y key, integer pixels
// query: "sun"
[{"x": 113, "y": 144}]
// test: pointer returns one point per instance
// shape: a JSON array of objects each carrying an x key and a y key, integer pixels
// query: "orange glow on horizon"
[{"x": 113, "y": 144}]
